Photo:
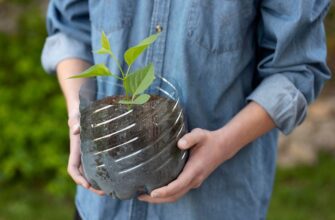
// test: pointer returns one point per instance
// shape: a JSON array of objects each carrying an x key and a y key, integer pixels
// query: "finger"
[
  {"x": 77, "y": 177},
  {"x": 189, "y": 140},
  {"x": 174, "y": 198},
  {"x": 99, "y": 192},
  {"x": 74, "y": 163},
  {"x": 180, "y": 184}
]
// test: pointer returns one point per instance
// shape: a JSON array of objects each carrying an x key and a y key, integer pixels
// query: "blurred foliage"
[
  {"x": 305, "y": 192},
  {"x": 23, "y": 2},
  {"x": 33, "y": 134},
  {"x": 18, "y": 203}
]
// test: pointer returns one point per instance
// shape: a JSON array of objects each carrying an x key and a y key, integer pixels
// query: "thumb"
[{"x": 191, "y": 139}]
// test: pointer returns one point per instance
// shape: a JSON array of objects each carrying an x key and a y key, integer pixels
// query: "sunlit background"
[{"x": 34, "y": 144}]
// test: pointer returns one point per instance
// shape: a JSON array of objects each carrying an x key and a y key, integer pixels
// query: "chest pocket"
[
  {"x": 219, "y": 25},
  {"x": 111, "y": 15}
]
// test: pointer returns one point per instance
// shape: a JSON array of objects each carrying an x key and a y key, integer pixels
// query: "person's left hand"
[{"x": 206, "y": 154}]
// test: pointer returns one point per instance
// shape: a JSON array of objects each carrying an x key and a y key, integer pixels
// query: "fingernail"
[{"x": 182, "y": 143}]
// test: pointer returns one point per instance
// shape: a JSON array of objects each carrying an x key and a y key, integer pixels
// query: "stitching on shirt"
[{"x": 130, "y": 209}]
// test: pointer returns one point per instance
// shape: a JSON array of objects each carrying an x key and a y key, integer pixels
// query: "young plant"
[{"x": 134, "y": 83}]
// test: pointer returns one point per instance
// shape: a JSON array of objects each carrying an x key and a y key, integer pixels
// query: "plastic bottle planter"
[{"x": 130, "y": 151}]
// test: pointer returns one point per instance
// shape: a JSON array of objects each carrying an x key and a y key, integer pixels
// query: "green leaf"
[
  {"x": 139, "y": 100},
  {"x": 132, "y": 53},
  {"x": 102, "y": 51},
  {"x": 140, "y": 80},
  {"x": 105, "y": 46},
  {"x": 96, "y": 70},
  {"x": 105, "y": 42},
  {"x": 106, "y": 49}
]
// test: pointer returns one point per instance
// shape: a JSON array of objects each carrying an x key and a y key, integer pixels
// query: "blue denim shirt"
[{"x": 223, "y": 53}]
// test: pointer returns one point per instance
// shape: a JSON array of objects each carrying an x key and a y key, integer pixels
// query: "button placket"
[
  {"x": 155, "y": 54},
  {"x": 159, "y": 24}
]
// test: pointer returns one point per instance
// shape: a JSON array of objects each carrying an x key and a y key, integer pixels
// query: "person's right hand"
[{"x": 74, "y": 167}]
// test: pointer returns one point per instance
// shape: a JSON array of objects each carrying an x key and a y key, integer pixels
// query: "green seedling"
[{"x": 134, "y": 83}]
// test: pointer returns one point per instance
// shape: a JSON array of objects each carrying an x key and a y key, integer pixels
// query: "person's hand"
[
  {"x": 206, "y": 154},
  {"x": 74, "y": 165}
]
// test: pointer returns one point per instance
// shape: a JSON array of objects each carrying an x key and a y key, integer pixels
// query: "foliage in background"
[
  {"x": 305, "y": 192},
  {"x": 33, "y": 134},
  {"x": 17, "y": 203}
]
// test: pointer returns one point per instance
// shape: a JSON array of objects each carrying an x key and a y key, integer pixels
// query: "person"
[{"x": 247, "y": 70}]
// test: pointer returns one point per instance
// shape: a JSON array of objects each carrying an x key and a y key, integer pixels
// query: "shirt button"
[{"x": 159, "y": 28}]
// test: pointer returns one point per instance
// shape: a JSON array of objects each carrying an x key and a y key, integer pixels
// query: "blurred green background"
[{"x": 34, "y": 144}]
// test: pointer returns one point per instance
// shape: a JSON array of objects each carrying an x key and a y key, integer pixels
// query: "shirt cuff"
[
  {"x": 59, "y": 47},
  {"x": 285, "y": 104}
]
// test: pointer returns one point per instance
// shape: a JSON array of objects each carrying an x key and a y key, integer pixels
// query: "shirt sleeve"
[
  {"x": 69, "y": 33},
  {"x": 292, "y": 59}
]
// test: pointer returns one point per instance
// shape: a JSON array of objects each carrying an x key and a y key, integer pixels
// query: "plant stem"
[
  {"x": 117, "y": 63},
  {"x": 125, "y": 77},
  {"x": 117, "y": 77},
  {"x": 128, "y": 70}
]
